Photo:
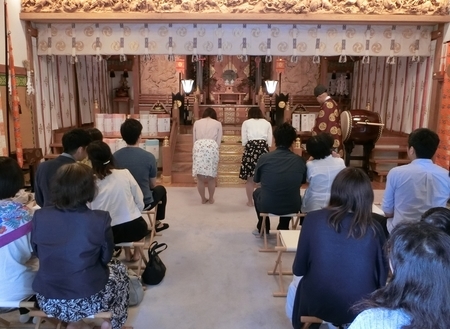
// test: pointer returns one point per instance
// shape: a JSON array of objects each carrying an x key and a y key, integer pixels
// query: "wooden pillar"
[
  {"x": 166, "y": 162},
  {"x": 136, "y": 83},
  {"x": 287, "y": 113},
  {"x": 438, "y": 79},
  {"x": 196, "y": 104},
  {"x": 31, "y": 33}
]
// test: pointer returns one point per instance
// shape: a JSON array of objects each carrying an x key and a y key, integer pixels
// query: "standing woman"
[
  {"x": 340, "y": 252},
  {"x": 207, "y": 135},
  {"x": 77, "y": 276},
  {"x": 120, "y": 195},
  {"x": 256, "y": 135}
]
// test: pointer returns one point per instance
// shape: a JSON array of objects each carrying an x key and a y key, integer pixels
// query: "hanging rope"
[{"x": 15, "y": 96}]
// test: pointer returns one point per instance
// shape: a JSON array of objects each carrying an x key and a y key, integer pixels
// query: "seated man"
[
  {"x": 74, "y": 149},
  {"x": 142, "y": 165},
  {"x": 281, "y": 173},
  {"x": 414, "y": 188}
]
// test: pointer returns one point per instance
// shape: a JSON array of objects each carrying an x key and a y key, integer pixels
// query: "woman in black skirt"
[{"x": 256, "y": 135}]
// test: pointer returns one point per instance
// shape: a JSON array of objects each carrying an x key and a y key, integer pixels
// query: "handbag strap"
[{"x": 155, "y": 246}]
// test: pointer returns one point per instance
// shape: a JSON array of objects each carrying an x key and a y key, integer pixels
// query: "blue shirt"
[
  {"x": 141, "y": 164},
  {"x": 381, "y": 318},
  {"x": 413, "y": 189}
]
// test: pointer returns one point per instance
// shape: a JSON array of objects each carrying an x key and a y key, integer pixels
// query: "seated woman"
[
  {"x": 339, "y": 253},
  {"x": 320, "y": 172},
  {"x": 418, "y": 293},
  {"x": 16, "y": 274},
  {"x": 77, "y": 276},
  {"x": 120, "y": 195},
  {"x": 438, "y": 217}
]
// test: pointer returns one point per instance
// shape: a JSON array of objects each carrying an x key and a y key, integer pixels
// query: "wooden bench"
[
  {"x": 389, "y": 152},
  {"x": 266, "y": 216}
]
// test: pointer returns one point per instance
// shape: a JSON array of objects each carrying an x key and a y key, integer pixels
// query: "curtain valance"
[{"x": 290, "y": 40}]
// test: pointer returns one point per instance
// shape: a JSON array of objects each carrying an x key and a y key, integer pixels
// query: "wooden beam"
[
  {"x": 32, "y": 31},
  {"x": 436, "y": 86},
  {"x": 19, "y": 70},
  {"x": 436, "y": 34},
  {"x": 281, "y": 18}
]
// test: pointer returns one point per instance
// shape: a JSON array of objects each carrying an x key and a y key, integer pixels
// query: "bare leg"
[
  {"x": 249, "y": 187},
  {"x": 201, "y": 188},
  {"x": 128, "y": 255},
  {"x": 211, "y": 188}
]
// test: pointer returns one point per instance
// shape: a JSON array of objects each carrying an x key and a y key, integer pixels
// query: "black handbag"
[{"x": 155, "y": 269}]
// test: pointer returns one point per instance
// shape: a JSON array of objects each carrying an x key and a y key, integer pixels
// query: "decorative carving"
[
  {"x": 158, "y": 76},
  {"x": 424, "y": 7}
]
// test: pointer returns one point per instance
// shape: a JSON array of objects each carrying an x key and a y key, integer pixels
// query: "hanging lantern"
[
  {"x": 280, "y": 65},
  {"x": 180, "y": 65}
]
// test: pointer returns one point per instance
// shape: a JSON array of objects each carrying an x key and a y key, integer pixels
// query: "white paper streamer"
[
  {"x": 391, "y": 59},
  {"x": 74, "y": 58},
  {"x": 316, "y": 57},
  {"x": 122, "y": 56},
  {"x": 343, "y": 57},
  {"x": 97, "y": 43},
  {"x": 269, "y": 44},
  {"x": 146, "y": 50},
  {"x": 416, "y": 56},
  {"x": 294, "y": 57},
  {"x": 194, "y": 45},
  {"x": 244, "y": 57},
  {"x": 366, "y": 57}
]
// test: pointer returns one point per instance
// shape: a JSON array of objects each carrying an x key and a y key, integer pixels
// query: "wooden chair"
[
  {"x": 287, "y": 241},
  {"x": 266, "y": 216},
  {"x": 16, "y": 304},
  {"x": 141, "y": 245}
]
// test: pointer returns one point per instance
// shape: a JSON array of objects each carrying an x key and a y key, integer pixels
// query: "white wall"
[{"x": 17, "y": 29}]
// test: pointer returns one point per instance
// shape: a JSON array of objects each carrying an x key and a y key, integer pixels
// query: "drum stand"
[{"x": 367, "y": 149}]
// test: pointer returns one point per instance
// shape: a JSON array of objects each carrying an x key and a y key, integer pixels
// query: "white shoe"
[
  {"x": 24, "y": 318},
  {"x": 256, "y": 233}
]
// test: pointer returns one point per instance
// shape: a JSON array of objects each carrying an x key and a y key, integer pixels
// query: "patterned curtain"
[
  {"x": 93, "y": 84},
  {"x": 443, "y": 152},
  {"x": 400, "y": 93},
  {"x": 56, "y": 83}
]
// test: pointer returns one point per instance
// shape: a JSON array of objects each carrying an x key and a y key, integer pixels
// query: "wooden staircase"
[
  {"x": 229, "y": 163},
  {"x": 390, "y": 151}
]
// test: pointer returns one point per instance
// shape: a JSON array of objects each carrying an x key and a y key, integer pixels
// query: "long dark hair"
[
  {"x": 210, "y": 112},
  {"x": 351, "y": 191},
  {"x": 101, "y": 158},
  {"x": 420, "y": 258}
]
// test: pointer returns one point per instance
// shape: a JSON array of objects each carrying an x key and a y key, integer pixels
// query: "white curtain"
[{"x": 399, "y": 92}]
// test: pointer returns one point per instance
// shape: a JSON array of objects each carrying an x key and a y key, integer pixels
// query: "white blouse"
[{"x": 253, "y": 129}]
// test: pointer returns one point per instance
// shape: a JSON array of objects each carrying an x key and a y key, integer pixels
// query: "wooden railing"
[{"x": 168, "y": 152}]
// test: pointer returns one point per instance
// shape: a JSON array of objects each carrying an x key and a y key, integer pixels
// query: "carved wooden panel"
[{"x": 158, "y": 75}]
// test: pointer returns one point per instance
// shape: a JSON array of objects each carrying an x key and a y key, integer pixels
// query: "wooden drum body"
[{"x": 361, "y": 127}]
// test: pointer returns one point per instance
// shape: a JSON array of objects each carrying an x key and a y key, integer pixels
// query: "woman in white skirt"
[
  {"x": 207, "y": 135},
  {"x": 256, "y": 135}
]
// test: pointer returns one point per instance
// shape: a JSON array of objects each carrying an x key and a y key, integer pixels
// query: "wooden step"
[
  {"x": 389, "y": 148},
  {"x": 385, "y": 161},
  {"x": 182, "y": 166},
  {"x": 182, "y": 157}
]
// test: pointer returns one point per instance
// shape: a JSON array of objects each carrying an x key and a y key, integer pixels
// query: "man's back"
[
  {"x": 281, "y": 173},
  {"x": 44, "y": 174},
  {"x": 413, "y": 189},
  {"x": 141, "y": 164}
]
